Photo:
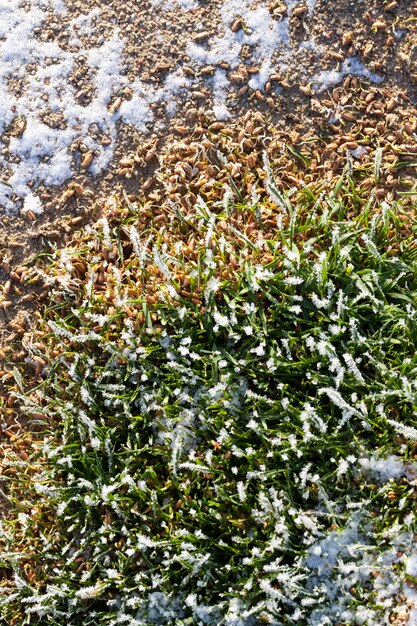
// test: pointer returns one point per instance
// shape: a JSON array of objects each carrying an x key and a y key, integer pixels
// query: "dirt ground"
[{"x": 381, "y": 35}]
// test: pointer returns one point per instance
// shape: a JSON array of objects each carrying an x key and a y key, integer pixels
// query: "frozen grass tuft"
[{"x": 240, "y": 453}]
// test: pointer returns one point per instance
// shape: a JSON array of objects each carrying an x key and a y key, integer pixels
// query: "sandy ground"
[{"x": 97, "y": 89}]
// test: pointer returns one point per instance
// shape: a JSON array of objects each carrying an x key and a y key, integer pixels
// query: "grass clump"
[{"x": 241, "y": 452}]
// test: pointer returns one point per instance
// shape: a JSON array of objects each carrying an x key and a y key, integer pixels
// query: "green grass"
[{"x": 243, "y": 459}]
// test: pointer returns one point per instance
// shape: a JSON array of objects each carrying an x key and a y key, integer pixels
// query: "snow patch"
[
  {"x": 387, "y": 468},
  {"x": 42, "y": 151},
  {"x": 351, "y": 66},
  {"x": 311, "y": 5},
  {"x": 186, "y": 5},
  {"x": 262, "y": 33},
  {"x": 347, "y": 557},
  {"x": 411, "y": 565}
]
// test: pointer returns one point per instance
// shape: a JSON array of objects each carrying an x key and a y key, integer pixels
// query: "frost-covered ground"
[
  {"x": 247, "y": 459},
  {"x": 311, "y": 477},
  {"x": 42, "y": 117}
]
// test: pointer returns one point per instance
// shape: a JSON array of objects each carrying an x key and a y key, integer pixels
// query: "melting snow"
[
  {"x": 311, "y": 5},
  {"x": 387, "y": 468},
  {"x": 264, "y": 34},
  {"x": 44, "y": 151},
  {"x": 411, "y": 565},
  {"x": 352, "y": 65},
  {"x": 40, "y": 153},
  {"x": 173, "y": 4}
]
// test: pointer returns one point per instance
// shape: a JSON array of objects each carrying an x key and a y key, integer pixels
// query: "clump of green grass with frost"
[{"x": 244, "y": 460}]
